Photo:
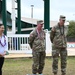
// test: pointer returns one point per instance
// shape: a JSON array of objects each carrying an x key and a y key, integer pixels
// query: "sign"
[{"x": 71, "y": 45}]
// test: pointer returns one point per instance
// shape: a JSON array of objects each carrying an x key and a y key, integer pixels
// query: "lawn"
[{"x": 23, "y": 66}]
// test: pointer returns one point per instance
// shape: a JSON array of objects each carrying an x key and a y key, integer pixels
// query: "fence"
[{"x": 19, "y": 44}]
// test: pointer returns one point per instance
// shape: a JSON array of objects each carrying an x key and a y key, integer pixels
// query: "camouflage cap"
[
  {"x": 62, "y": 17},
  {"x": 40, "y": 22}
]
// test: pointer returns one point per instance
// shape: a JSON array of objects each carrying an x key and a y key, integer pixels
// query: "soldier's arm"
[
  {"x": 52, "y": 34},
  {"x": 44, "y": 34},
  {"x": 31, "y": 39}
]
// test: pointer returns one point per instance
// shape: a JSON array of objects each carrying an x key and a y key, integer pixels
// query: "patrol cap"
[
  {"x": 62, "y": 17},
  {"x": 40, "y": 22}
]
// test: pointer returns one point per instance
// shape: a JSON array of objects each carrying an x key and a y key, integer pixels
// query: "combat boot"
[
  {"x": 40, "y": 74},
  {"x": 63, "y": 74},
  {"x": 31, "y": 74},
  {"x": 55, "y": 73},
  {"x": 34, "y": 74}
]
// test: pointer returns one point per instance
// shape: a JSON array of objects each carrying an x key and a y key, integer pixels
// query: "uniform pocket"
[{"x": 55, "y": 53}]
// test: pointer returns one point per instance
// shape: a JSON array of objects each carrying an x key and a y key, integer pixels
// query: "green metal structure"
[
  {"x": 4, "y": 15},
  {"x": 19, "y": 16},
  {"x": 46, "y": 14},
  {"x": 20, "y": 24}
]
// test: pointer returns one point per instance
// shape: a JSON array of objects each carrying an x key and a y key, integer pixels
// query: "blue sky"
[{"x": 57, "y": 8}]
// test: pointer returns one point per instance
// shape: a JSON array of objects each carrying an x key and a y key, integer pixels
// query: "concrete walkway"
[
  {"x": 71, "y": 52},
  {"x": 17, "y": 55}
]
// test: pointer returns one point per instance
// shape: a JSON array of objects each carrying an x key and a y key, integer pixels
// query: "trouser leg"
[
  {"x": 63, "y": 55},
  {"x": 35, "y": 62},
  {"x": 55, "y": 55},
  {"x": 41, "y": 62},
  {"x": 1, "y": 64}
]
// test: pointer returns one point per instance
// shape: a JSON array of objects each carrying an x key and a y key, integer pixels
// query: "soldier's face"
[
  {"x": 62, "y": 22},
  {"x": 40, "y": 26}
]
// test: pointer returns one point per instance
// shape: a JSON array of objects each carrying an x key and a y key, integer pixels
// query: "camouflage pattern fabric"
[
  {"x": 57, "y": 39},
  {"x": 38, "y": 62},
  {"x": 37, "y": 43},
  {"x": 63, "y": 56},
  {"x": 59, "y": 45}
]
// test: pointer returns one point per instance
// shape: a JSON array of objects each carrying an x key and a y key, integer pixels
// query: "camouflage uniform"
[
  {"x": 59, "y": 45},
  {"x": 37, "y": 43}
]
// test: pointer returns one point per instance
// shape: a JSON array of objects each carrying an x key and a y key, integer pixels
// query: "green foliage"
[{"x": 71, "y": 31}]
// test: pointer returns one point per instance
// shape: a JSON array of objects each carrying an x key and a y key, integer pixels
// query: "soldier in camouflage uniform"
[
  {"x": 58, "y": 37},
  {"x": 37, "y": 44}
]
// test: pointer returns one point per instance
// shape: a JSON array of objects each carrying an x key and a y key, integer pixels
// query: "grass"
[{"x": 23, "y": 66}]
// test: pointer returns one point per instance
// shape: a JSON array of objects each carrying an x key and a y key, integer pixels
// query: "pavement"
[
  {"x": 18, "y": 55},
  {"x": 71, "y": 52}
]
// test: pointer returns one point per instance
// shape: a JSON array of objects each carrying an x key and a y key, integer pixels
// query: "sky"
[{"x": 57, "y": 8}]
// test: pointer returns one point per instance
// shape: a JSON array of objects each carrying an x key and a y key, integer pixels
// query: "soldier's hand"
[{"x": 53, "y": 29}]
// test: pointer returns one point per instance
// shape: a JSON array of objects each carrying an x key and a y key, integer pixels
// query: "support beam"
[
  {"x": 19, "y": 20},
  {"x": 4, "y": 12},
  {"x": 19, "y": 16},
  {"x": 13, "y": 17},
  {"x": 0, "y": 6},
  {"x": 47, "y": 14},
  {"x": 32, "y": 13}
]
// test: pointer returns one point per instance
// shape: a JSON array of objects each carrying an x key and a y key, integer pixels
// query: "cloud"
[
  {"x": 64, "y": 7},
  {"x": 57, "y": 7},
  {"x": 26, "y": 8}
]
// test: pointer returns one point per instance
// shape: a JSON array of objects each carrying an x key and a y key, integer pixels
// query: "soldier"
[
  {"x": 58, "y": 37},
  {"x": 37, "y": 44}
]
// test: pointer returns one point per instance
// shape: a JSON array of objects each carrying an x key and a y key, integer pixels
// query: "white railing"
[{"x": 18, "y": 43}]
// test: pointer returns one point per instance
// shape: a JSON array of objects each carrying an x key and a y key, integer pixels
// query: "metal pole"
[
  {"x": 19, "y": 20},
  {"x": 32, "y": 14},
  {"x": 0, "y": 6},
  {"x": 4, "y": 15},
  {"x": 46, "y": 14},
  {"x": 19, "y": 16},
  {"x": 32, "y": 11},
  {"x": 13, "y": 17}
]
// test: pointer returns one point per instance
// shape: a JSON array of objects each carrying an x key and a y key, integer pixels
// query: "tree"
[{"x": 71, "y": 31}]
